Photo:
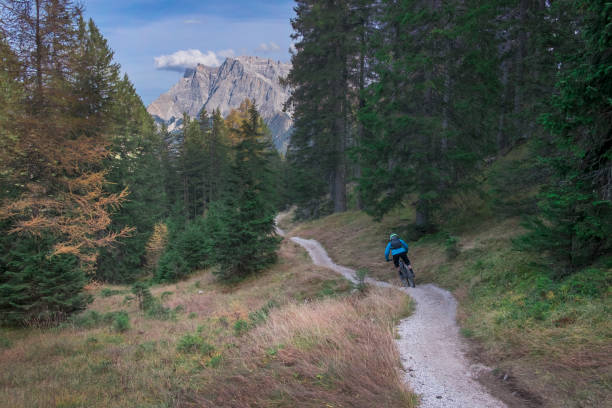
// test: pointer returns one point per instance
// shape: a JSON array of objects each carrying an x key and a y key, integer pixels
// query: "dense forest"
[
  {"x": 395, "y": 103},
  {"x": 407, "y": 102},
  {"x": 93, "y": 191}
]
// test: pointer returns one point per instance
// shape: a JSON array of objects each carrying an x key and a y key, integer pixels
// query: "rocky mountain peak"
[{"x": 225, "y": 87}]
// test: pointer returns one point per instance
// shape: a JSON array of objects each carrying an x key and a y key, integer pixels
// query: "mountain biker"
[{"x": 398, "y": 249}]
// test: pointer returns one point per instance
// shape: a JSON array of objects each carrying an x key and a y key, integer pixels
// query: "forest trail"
[{"x": 431, "y": 349}]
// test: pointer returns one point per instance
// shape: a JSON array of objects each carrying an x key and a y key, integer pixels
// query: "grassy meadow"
[
  {"x": 549, "y": 342},
  {"x": 296, "y": 335}
]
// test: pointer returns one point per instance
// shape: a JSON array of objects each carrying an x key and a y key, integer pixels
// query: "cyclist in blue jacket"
[{"x": 398, "y": 249}]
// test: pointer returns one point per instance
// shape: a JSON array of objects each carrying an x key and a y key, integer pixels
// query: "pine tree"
[
  {"x": 320, "y": 100},
  {"x": 574, "y": 224},
  {"x": 135, "y": 164},
  {"x": 56, "y": 216},
  {"x": 11, "y": 116},
  {"x": 36, "y": 287},
  {"x": 245, "y": 241},
  {"x": 194, "y": 167},
  {"x": 60, "y": 166},
  {"x": 427, "y": 114}
]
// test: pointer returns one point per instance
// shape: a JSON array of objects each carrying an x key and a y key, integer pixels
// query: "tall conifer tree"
[{"x": 246, "y": 241}]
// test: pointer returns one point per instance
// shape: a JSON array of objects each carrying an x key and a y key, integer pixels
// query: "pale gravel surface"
[{"x": 431, "y": 349}]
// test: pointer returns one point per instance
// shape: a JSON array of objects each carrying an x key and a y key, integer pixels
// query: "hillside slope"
[
  {"x": 293, "y": 336},
  {"x": 549, "y": 343}
]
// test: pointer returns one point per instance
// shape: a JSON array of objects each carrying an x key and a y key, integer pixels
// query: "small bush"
[
  {"x": 361, "y": 284},
  {"x": 101, "y": 367},
  {"x": 5, "y": 343},
  {"x": 158, "y": 311},
  {"x": 214, "y": 361},
  {"x": 451, "y": 246},
  {"x": 143, "y": 294},
  {"x": 260, "y": 315},
  {"x": 88, "y": 319},
  {"x": 171, "y": 267},
  {"x": 588, "y": 283},
  {"x": 193, "y": 343},
  {"x": 106, "y": 292},
  {"x": 121, "y": 323},
  {"x": 240, "y": 327},
  {"x": 91, "y": 341}
]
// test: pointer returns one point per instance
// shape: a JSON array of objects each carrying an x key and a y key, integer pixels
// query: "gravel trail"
[{"x": 431, "y": 349}]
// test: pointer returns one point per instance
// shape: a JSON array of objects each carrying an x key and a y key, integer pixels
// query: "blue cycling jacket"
[{"x": 400, "y": 250}]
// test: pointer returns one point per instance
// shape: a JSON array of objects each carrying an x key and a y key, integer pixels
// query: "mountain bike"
[{"x": 407, "y": 275}]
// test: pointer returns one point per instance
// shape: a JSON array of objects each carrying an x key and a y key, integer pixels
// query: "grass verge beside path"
[
  {"x": 549, "y": 342},
  {"x": 292, "y": 336}
]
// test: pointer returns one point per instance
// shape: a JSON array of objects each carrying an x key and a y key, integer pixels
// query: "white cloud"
[
  {"x": 192, "y": 21},
  {"x": 292, "y": 49},
  {"x": 182, "y": 59},
  {"x": 268, "y": 47},
  {"x": 227, "y": 53}
]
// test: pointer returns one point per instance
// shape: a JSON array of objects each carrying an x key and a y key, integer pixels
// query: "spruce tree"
[
  {"x": 136, "y": 165},
  {"x": 574, "y": 224},
  {"x": 245, "y": 242},
  {"x": 320, "y": 101},
  {"x": 426, "y": 116},
  {"x": 58, "y": 218},
  {"x": 36, "y": 287}
]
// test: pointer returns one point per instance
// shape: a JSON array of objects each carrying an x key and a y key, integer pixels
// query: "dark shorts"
[{"x": 404, "y": 257}]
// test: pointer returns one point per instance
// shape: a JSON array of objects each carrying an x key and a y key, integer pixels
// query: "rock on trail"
[{"x": 431, "y": 348}]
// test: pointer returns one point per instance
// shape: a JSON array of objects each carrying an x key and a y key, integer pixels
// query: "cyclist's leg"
[
  {"x": 396, "y": 263},
  {"x": 406, "y": 261}
]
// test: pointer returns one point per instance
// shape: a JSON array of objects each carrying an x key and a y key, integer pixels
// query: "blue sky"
[{"x": 154, "y": 40}]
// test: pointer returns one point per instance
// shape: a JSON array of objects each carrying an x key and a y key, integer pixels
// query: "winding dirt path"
[{"x": 431, "y": 349}]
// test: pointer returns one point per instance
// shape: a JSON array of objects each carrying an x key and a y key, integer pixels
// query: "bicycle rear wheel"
[
  {"x": 410, "y": 278},
  {"x": 404, "y": 275}
]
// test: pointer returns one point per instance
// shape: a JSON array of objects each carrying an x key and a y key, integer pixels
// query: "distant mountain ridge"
[{"x": 225, "y": 87}]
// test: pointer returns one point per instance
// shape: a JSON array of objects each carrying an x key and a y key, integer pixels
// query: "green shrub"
[
  {"x": 158, "y": 311},
  {"x": 193, "y": 343},
  {"x": 240, "y": 327},
  {"x": 5, "y": 343},
  {"x": 214, "y": 361},
  {"x": 590, "y": 283},
  {"x": 106, "y": 292},
  {"x": 101, "y": 367},
  {"x": 143, "y": 295},
  {"x": 171, "y": 267},
  {"x": 121, "y": 323},
  {"x": 451, "y": 246},
  {"x": 88, "y": 319},
  {"x": 37, "y": 288},
  {"x": 261, "y": 315},
  {"x": 361, "y": 277},
  {"x": 91, "y": 341}
]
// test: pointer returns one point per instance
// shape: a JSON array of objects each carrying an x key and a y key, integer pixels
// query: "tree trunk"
[
  {"x": 501, "y": 138},
  {"x": 422, "y": 215},
  {"x": 339, "y": 188},
  {"x": 339, "y": 180},
  {"x": 38, "y": 55},
  {"x": 360, "y": 127},
  {"x": 519, "y": 68}
]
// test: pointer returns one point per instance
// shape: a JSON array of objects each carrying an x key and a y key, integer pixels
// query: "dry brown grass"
[
  {"x": 97, "y": 367},
  {"x": 330, "y": 353}
]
